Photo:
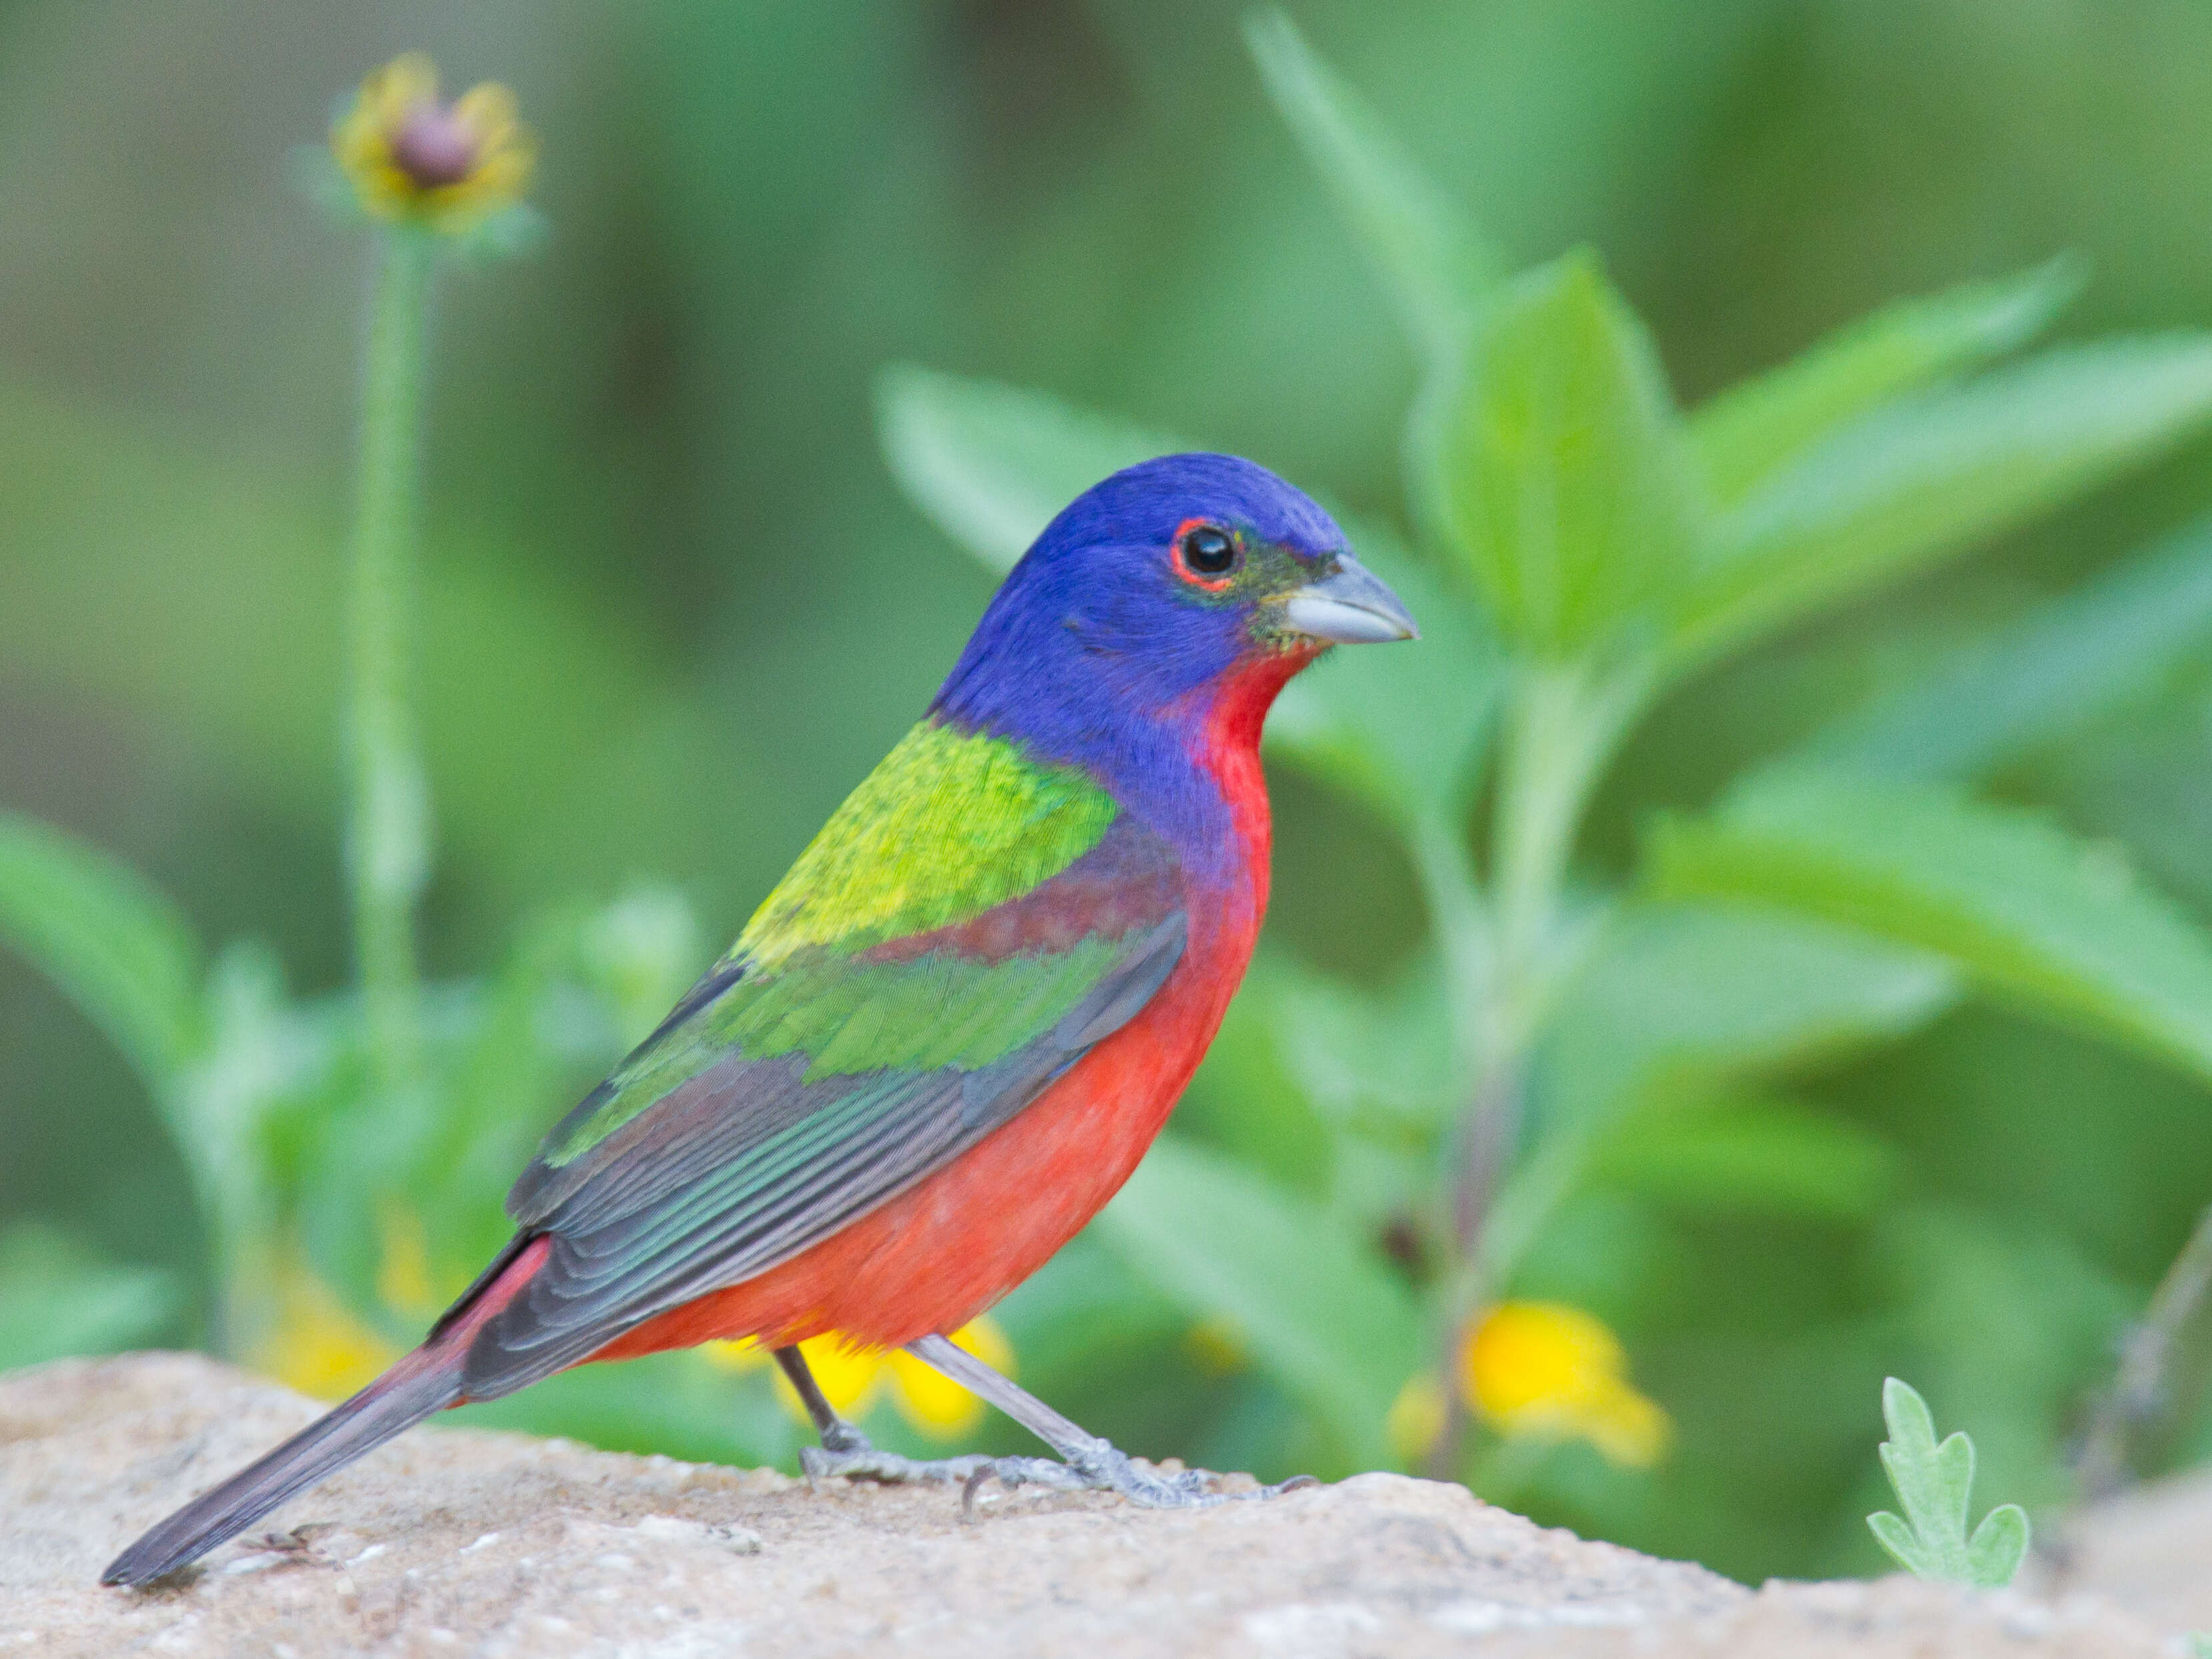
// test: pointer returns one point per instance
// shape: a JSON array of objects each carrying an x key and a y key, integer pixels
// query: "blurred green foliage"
[{"x": 1853, "y": 1045}]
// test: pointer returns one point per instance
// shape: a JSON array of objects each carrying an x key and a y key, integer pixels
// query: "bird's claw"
[
  {"x": 1102, "y": 1467},
  {"x": 849, "y": 1455},
  {"x": 856, "y": 1459}
]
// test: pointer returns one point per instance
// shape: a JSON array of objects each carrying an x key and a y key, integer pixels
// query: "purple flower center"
[{"x": 434, "y": 146}]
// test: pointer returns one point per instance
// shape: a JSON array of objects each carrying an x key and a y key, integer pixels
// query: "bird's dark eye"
[{"x": 1208, "y": 551}]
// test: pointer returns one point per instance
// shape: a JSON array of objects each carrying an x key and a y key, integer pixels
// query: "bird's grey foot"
[
  {"x": 1087, "y": 1463},
  {"x": 855, "y": 1458},
  {"x": 1102, "y": 1467},
  {"x": 846, "y": 1454}
]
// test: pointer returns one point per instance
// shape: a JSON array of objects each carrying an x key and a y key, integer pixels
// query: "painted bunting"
[{"x": 949, "y": 1034}]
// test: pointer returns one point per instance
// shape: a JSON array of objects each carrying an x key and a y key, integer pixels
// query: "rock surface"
[
  {"x": 2148, "y": 1550},
  {"x": 451, "y": 1542}
]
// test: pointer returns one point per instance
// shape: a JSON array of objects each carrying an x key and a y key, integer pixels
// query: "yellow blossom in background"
[
  {"x": 317, "y": 1345},
  {"x": 1417, "y": 1416},
  {"x": 410, "y": 157},
  {"x": 849, "y": 1378},
  {"x": 1545, "y": 1370},
  {"x": 933, "y": 1403},
  {"x": 853, "y": 1379}
]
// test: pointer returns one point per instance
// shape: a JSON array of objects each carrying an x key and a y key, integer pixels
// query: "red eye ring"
[{"x": 1205, "y": 555}]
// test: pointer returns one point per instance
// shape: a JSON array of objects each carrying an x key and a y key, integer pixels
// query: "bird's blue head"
[{"x": 1159, "y": 615}]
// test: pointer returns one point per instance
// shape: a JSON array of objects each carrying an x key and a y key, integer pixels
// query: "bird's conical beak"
[{"x": 1352, "y": 607}]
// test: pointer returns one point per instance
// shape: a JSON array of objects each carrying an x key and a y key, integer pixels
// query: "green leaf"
[
  {"x": 576, "y": 989},
  {"x": 1318, "y": 1308},
  {"x": 502, "y": 1084},
  {"x": 1763, "y": 1156},
  {"x": 58, "y": 1298},
  {"x": 992, "y": 464},
  {"x": 640, "y": 954},
  {"x": 267, "y": 1059},
  {"x": 1676, "y": 996},
  {"x": 1747, "y": 431},
  {"x": 2055, "y": 672},
  {"x": 1926, "y": 478},
  {"x": 1901, "y": 1543},
  {"x": 1399, "y": 731},
  {"x": 1083, "y": 1312},
  {"x": 113, "y": 944},
  {"x": 1427, "y": 253},
  {"x": 1386, "y": 1057},
  {"x": 1935, "y": 1483},
  {"x": 1558, "y": 468},
  {"x": 2033, "y": 915},
  {"x": 1998, "y": 1547}
]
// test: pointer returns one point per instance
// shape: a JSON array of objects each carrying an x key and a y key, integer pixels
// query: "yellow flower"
[
  {"x": 935, "y": 1404},
  {"x": 1543, "y": 1370},
  {"x": 853, "y": 1379},
  {"x": 412, "y": 158},
  {"x": 317, "y": 1345},
  {"x": 850, "y": 1378}
]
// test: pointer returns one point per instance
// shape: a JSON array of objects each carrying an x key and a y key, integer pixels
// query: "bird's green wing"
[{"x": 964, "y": 928}]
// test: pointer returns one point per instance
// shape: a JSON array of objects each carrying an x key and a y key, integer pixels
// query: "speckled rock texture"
[{"x": 451, "y": 1542}]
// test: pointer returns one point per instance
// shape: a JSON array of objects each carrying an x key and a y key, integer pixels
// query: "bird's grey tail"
[
  {"x": 428, "y": 1380},
  {"x": 399, "y": 1400}
]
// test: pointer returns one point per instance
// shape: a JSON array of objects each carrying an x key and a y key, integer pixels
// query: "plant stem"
[
  {"x": 1543, "y": 777},
  {"x": 1561, "y": 727},
  {"x": 1562, "y": 724},
  {"x": 2138, "y": 1390},
  {"x": 387, "y": 832},
  {"x": 1458, "y": 919}
]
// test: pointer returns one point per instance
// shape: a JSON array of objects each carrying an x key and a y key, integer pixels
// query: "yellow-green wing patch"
[{"x": 949, "y": 825}]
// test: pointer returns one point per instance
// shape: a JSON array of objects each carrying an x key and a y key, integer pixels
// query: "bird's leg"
[
  {"x": 1088, "y": 1462},
  {"x": 846, "y": 1451},
  {"x": 837, "y": 1435}
]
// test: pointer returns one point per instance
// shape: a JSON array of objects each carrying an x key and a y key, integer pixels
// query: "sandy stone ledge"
[{"x": 453, "y": 1542}]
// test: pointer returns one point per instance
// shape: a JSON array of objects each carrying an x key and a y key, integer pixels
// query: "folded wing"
[{"x": 780, "y": 1103}]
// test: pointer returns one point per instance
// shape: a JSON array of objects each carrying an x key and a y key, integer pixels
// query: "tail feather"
[
  {"x": 428, "y": 1380},
  {"x": 395, "y": 1401}
]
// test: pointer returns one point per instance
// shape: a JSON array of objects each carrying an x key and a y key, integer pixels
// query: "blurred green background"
[{"x": 674, "y": 606}]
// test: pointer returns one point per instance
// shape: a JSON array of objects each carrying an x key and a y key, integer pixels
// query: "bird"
[{"x": 952, "y": 1030}]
